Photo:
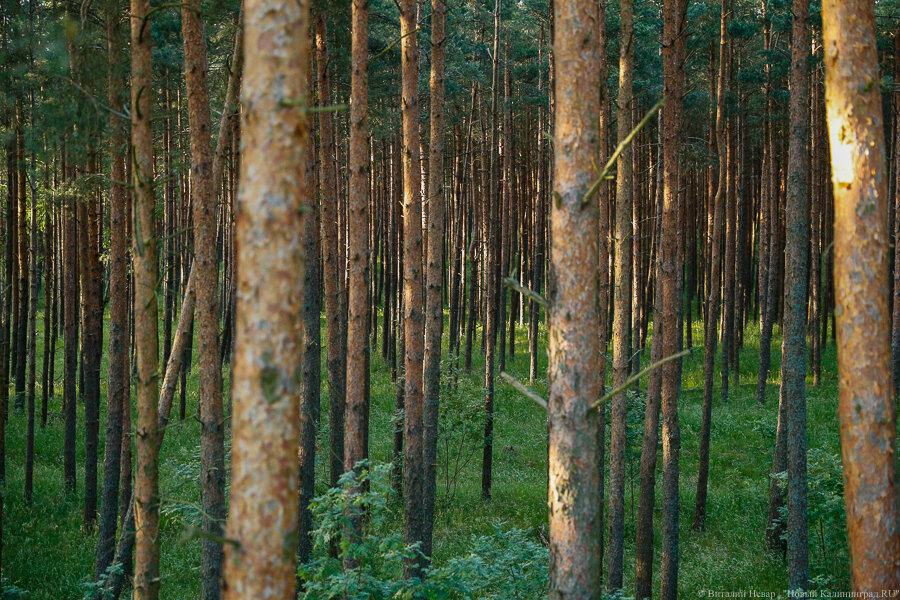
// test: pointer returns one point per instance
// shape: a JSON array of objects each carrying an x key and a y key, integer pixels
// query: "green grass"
[{"x": 47, "y": 553}]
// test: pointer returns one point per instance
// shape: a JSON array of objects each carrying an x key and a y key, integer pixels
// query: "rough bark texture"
[
  {"x": 434, "y": 276},
  {"x": 861, "y": 252},
  {"x": 356, "y": 443},
  {"x": 670, "y": 285},
  {"x": 274, "y": 193},
  {"x": 203, "y": 204},
  {"x": 621, "y": 341},
  {"x": 146, "y": 317},
  {"x": 793, "y": 353},
  {"x": 413, "y": 296},
  {"x": 573, "y": 315}
]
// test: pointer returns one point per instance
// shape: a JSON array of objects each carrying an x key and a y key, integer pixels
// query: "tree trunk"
[
  {"x": 866, "y": 397},
  {"x": 434, "y": 275},
  {"x": 413, "y": 300},
  {"x": 274, "y": 190},
  {"x": 793, "y": 357},
  {"x": 622, "y": 326},
  {"x": 356, "y": 443},
  {"x": 116, "y": 392},
  {"x": 332, "y": 267},
  {"x": 146, "y": 485},
  {"x": 573, "y": 314},
  {"x": 715, "y": 268},
  {"x": 203, "y": 203}
]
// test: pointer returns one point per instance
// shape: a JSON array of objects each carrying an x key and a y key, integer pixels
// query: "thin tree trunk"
[
  {"x": 116, "y": 392},
  {"x": 713, "y": 287},
  {"x": 793, "y": 358},
  {"x": 332, "y": 267},
  {"x": 671, "y": 284},
  {"x": 434, "y": 277},
  {"x": 211, "y": 413},
  {"x": 622, "y": 326}
]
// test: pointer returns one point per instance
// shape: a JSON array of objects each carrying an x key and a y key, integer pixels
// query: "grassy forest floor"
[{"x": 48, "y": 554}]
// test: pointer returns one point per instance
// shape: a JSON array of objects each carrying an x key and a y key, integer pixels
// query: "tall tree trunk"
[
  {"x": 413, "y": 300},
  {"x": 70, "y": 360},
  {"x": 866, "y": 398},
  {"x": 274, "y": 189},
  {"x": 622, "y": 326},
  {"x": 332, "y": 267},
  {"x": 116, "y": 391},
  {"x": 715, "y": 269},
  {"x": 491, "y": 266},
  {"x": 212, "y": 426},
  {"x": 573, "y": 314},
  {"x": 146, "y": 485},
  {"x": 356, "y": 443},
  {"x": 671, "y": 284},
  {"x": 91, "y": 333},
  {"x": 434, "y": 276},
  {"x": 793, "y": 357},
  {"x": 312, "y": 357}
]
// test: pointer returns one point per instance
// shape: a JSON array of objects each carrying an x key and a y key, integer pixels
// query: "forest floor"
[{"x": 48, "y": 554}]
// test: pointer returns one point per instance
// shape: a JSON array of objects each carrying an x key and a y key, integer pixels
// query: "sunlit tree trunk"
[
  {"x": 866, "y": 395},
  {"x": 413, "y": 300}
]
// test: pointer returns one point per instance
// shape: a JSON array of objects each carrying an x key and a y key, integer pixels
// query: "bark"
[
  {"x": 573, "y": 315},
  {"x": 146, "y": 320},
  {"x": 274, "y": 190},
  {"x": 434, "y": 276},
  {"x": 413, "y": 300},
  {"x": 622, "y": 325},
  {"x": 670, "y": 285},
  {"x": 91, "y": 334},
  {"x": 866, "y": 408},
  {"x": 604, "y": 294},
  {"x": 116, "y": 391},
  {"x": 203, "y": 203},
  {"x": 356, "y": 443},
  {"x": 793, "y": 358}
]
